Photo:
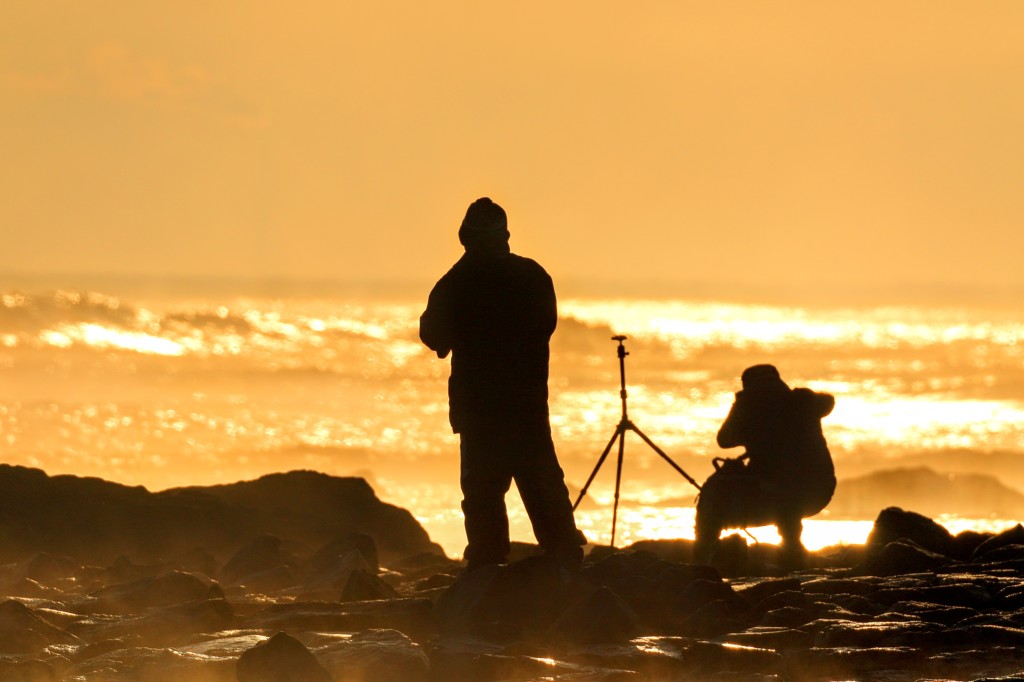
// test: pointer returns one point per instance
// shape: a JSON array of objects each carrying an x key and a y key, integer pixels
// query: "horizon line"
[{"x": 568, "y": 286}]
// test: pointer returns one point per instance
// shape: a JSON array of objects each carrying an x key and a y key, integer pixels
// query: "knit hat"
[
  {"x": 484, "y": 220},
  {"x": 762, "y": 377}
]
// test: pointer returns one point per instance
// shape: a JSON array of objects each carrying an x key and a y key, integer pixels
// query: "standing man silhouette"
[{"x": 494, "y": 312}]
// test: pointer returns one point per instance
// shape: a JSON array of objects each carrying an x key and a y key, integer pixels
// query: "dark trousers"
[
  {"x": 735, "y": 497},
  {"x": 491, "y": 460}
]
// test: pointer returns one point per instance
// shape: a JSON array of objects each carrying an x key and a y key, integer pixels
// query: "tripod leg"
[
  {"x": 600, "y": 461},
  {"x": 664, "y": 456},
  {"x": 618, "y": 480}
]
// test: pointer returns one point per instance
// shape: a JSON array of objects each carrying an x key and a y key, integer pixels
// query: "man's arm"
[
  {"x": 549, "y": 306},
  {"x": 538, "y": 295},
  {"x": 436, "y": 326},
  {"x": 731, "y": 433}
]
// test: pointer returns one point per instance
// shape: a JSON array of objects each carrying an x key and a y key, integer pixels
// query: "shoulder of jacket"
[{"x": 527, "y": 262}]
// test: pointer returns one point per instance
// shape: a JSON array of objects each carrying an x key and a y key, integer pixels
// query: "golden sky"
[{"x": 848, "y": 143}]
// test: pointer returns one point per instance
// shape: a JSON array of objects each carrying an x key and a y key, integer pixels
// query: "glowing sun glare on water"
[
  {"x": 345, "y": 387},
  {"x": 100, "y": 338}
]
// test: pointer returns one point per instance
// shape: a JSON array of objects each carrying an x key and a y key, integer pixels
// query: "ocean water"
[{"x": 199, "y": 389}]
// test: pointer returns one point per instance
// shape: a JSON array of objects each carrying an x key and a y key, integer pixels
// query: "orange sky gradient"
[{"x": 868, "y": 144}]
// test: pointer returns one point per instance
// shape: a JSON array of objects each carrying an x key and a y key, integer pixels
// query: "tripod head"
[
  {"x": 622, "y": 372},
  {"x": 622, "y": 349}
]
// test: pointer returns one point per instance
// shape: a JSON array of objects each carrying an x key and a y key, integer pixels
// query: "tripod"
[{"x": 620, "y": 434}]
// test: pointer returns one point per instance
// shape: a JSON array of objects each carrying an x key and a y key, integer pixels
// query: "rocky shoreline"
[{"x": 913, "y": 603}]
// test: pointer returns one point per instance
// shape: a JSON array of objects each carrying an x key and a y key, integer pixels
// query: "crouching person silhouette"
[
  {"x": 786, "y": 473},
  {"x": 495, "y": 311}
]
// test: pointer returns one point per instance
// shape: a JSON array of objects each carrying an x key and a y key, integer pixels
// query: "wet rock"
[
  {"x": 919, "y": 614},
  {"x": 27, "y": 671},
  {"x": 96, "y": 521},
  {"x": 103, "y": 647},
  {"x": 764, "y": 637},
  {"x": 712, "y": 619},
  {"x": 140, "y": 664},
  {"x": 333, "y": 572},
  {"x": 505, "y": 601},
  {"x": 699, "y": 593},
  {"x": 715, "y": 657},
  {"x": 621, "y": 567},
  {"x": 124, "y": 570},
  {"x": 424, "y": 565},
  {"x": 351, "y": 542},
  {"x": 362, "y": 586},
  {"x": 22, "y": 631},
  {"x": 601, "y": 616},
  {"x": 895, "y": 524},
  {"x": 966, "y": 543},
  {"x": 1011, "y": 598},
  {"x": 762, "y": 589},
  {"x": 676, "y": 551},
  {"x": 199, "y": 560},
  {"x": 903, "y": 556},
  {"x": 882, "y": 633},
  {"x": 647, "y": 583},
  {"x": 412, "y": 616},
  {"x": 261, "y": 555},
  {"x": 732, "y": 557},
  {"x": 932, "y": 613},
  {"x": 26, "y": 587},
  {"x": 270, "y": 581},
  {"x": 1012, "y": 553},
  {"x": 434, "y": 582},
  {"x": 316, "y": 508},
  {"x": 789, "y": 616},
  {"x": 654, "y": 657},
  {"x": 282, "y": 658},
  {"x": 850, "y": 663},
  {"x": 167, "y": 626},
  {"x": 971, "y": 596},
  {"x": 463, "y": 657},
  {"x": 787, "y": 599},
  {"x": 167, "y": 589},
  {"x": 851, "y": 607},
  {"x": 1010, "y": 536},
  {"x": 847, "y": 586},
  {"x": 378, "y": 655},
  {"x": 48, "y": 569},
  {"x": 990, "y": 634},
  {"x": 472, "y": 659}
]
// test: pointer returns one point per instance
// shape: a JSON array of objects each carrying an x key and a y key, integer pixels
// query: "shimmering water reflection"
[
  {"x": 184, "y": 391},
  {"x": 651, "y": 522}
]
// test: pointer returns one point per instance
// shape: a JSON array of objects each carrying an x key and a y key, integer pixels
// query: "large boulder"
[
  {"x": 23, "y": 631},
  {"x": 316, "y": 508},
  {"x": 262, "y": 554},
  {"x": 903, "y": 556},
  {"x": 364, "y": 586},
  {"x": 282, "y": 658},
  {"x": 1009, "y": 537},
  {"x": 144, "y": 664},
  {"x": 378, "y": 655},
  {"x": 600, "y": 617},
  {"x": 895, "y": 524},
  {"x": 163, "y": 626},
  {"x": 96, "y": 521},
  {"x": 27, "y": 671},
  {"x": 167, "y": 589},
  {"x": 505, "y": 601}
]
